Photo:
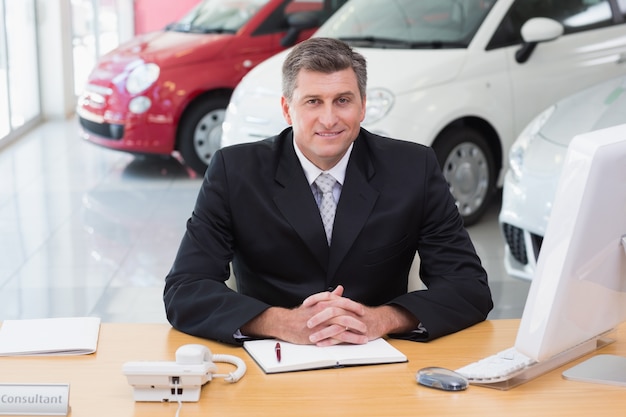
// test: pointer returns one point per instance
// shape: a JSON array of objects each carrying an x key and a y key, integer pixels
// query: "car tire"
[
  {"x": 200, "y": 131},
  {"x": 468, "y": 166}
]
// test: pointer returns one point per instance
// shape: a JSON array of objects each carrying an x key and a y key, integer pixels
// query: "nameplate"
[{"x": 34, "y": 399}]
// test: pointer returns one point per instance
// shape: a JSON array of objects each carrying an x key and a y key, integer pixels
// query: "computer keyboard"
[{"x": 500, "y": 367}]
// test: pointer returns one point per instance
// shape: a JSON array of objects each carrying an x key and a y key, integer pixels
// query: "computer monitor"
[{"x": 578, "y": 292}]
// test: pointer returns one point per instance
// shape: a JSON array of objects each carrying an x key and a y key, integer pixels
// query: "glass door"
[
  {"x": 95, "y": 31},
  {"x": 19, "y": 77},
  {"x": 5, "y": 114}
]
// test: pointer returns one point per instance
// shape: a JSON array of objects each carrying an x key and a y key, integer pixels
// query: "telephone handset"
[
  {"x": 181, "y": 380},
  {"x": 197, "y": 354}
]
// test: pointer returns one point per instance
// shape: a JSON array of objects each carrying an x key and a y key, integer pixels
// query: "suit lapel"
[
  {"x": 355, "y": 205},
  {"x": 296, "y": 202}
]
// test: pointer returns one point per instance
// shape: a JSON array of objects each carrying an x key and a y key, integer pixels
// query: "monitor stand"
[
  {"x": 537, "y": 369},
  {"x": 600, "y": 369}
]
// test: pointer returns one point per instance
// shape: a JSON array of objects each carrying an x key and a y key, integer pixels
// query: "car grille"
[
  {"x": 105, "y": 130},
  {"x": 514, "y": 237}
]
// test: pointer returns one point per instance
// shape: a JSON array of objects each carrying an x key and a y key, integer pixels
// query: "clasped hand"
[
  {"x": 335, "y": 319},
  {"x": 328, "y": 318}
]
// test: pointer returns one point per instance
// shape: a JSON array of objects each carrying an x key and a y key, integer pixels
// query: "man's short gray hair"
[{"x": 326, "y": 55}]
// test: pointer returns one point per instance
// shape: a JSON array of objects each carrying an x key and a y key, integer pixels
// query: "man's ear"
[{"x": 285, "y": 106}]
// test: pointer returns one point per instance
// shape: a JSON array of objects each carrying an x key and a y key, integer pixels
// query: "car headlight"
[
  {"x": 142, "y": 77},
  {"x": 524, "y": 140},
  {"x": 379, "y": 102}
]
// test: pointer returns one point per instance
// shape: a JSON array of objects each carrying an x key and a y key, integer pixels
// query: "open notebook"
[
  {"x": 49, "y": 336},
  {"x": 304, "y": 357}
]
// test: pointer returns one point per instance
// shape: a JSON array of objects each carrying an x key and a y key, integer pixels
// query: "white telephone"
[{"x": 182, "y": 380}]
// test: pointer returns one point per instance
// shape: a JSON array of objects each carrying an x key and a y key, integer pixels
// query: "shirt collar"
[{"x": 312, "y": 172}]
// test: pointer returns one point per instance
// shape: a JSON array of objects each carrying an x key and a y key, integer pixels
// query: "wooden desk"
[{"x": 98, "y": 387}]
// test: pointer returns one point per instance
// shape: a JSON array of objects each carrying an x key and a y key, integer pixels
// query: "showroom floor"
[{"x": 90, "y": 231}]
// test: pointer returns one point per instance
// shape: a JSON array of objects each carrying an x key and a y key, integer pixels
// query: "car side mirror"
[
  {"x": 298, "y": 22},
  {"x": 535, "y": 30}
]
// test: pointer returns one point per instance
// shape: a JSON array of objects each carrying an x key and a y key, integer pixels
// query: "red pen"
[{"x": 277, "y": 349}]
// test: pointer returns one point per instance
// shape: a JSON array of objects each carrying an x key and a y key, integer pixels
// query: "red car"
[{"x": 167, "y": 91}]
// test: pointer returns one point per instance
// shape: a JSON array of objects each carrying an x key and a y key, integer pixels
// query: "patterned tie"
[{"x": 325, "y": 183}]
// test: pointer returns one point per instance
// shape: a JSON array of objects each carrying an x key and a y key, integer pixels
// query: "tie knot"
[{"x": 325, "y": 182}]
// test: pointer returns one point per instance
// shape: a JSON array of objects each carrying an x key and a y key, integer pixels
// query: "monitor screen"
[{"x": 579, "y": 288}]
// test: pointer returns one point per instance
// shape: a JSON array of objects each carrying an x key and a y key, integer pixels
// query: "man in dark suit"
[{"x": 258, "y": 207}]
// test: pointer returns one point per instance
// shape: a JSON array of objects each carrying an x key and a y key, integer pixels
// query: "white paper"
[{"x": 50, "y": 336}]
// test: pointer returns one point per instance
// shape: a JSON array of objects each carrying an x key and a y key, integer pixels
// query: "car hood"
[
  {"x": 598, "y": 107},
  {"x": 165, "y": 48},
  {"x": 398, "y": 70},
  {"x": 404, "y": 70}
]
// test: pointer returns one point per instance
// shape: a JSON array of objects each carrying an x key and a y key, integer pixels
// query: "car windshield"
[
  {"x": 218, "y": 16},
  {"x": 407, "y": 24}
]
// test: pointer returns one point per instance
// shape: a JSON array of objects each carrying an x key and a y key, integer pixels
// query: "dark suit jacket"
[{"x": 256, "y": 209}]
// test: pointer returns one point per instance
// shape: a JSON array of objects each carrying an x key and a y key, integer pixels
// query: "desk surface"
[{"x": 98, "y": 387}]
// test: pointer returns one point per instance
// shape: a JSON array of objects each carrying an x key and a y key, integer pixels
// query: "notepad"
[
  {"x": 49, "y": 336},
  {"x": 305, "y": 357}
]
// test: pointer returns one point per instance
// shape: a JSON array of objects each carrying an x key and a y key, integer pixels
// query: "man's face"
[{"x": 325, "y": 112}]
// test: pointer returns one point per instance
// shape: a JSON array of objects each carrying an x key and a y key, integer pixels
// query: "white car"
[
  {"x": 536, "y": 160},
  {"x": 463, "y": 76}
]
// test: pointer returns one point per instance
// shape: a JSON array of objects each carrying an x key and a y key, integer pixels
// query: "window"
[
  {"x": 19, "y": 78},
  {"x": 622, "y": 7},
  {"x": 574, "y": 15},
  {"x": 94, "y": 32},
  {"x": 277, "y": 22}
]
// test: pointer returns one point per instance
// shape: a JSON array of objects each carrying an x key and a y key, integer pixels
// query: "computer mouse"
[{"x": 441, "y": 378}]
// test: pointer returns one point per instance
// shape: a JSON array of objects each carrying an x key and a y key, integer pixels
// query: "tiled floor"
[{"x": 89, "y": 231}]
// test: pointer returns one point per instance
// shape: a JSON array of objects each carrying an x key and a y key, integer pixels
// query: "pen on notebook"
[{"x": 277, "y": 349}]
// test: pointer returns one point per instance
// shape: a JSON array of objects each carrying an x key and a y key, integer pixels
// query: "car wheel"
[
  {"x": 468, "y": 166},
  {"x": 200, "y": 132}
]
